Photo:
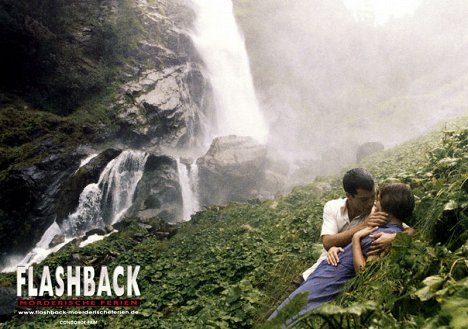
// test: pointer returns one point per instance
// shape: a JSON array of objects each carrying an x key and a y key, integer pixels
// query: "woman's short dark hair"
[
  {"x": 397, "y": 199},
  {"x": 357, "y": 178}
]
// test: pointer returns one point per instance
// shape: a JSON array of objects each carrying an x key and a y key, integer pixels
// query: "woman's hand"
[
  {"x": 364, "y": 232},
  {"x": 332, "y": 256}
]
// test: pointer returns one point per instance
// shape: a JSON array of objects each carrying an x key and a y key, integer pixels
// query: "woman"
[{"x": 326, "y": 282}]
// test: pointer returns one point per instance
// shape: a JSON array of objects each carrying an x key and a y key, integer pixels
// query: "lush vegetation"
[
  {"x": 28, "y": 135},
  {"x": 231, "y": 265}
]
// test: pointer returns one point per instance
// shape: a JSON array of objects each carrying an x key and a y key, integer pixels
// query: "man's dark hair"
[
  {"x": 397, "y": 199},
  {"x": 357, "y": 178}
]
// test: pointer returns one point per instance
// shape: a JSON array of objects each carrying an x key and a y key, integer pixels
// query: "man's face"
[{"x": 361, "y": 202}]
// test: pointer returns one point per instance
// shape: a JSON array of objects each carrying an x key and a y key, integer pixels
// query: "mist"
[{"x": 328, "y": 82}]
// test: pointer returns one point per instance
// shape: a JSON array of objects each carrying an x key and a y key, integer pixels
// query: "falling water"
[
  {"x": 40, "y": 251},
  {"x": 222, "y": 48},
  {"x": 106, "y": 201},
  {"x": 87, "y": 159},
  {"x": 188, "y": 180}
]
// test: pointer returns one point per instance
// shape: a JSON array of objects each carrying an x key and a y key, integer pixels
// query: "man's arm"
[
  {"x": 343, "y": 238},
  {"x": 340, "y": 239},
  {"x": 383, "y": 241}
]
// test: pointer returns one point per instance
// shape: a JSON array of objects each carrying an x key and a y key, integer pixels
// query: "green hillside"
[{"x": 231, "y": 265}]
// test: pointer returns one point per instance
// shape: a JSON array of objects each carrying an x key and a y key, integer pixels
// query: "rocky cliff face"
[
  {"x": 135, "y": 63},
  {"x": 164, "y": 108},
  {"x": 166, "y": 104},
  {"x": 28, "y": 198}
]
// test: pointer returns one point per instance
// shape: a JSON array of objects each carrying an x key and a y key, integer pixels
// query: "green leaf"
[
  {"x": 432, "y": 284},
  {"x": 451, "y": 205}
]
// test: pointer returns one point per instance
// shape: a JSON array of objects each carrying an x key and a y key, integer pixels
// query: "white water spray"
[
  {"x": 40, "y": 251},
  {"x": 188, "y": 180},
  {"x": 88, "y": 159},
  {"x": 222, "y": 48}
]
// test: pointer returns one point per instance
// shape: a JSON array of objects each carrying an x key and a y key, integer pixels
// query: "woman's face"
[{"x": 377, "y": 206}]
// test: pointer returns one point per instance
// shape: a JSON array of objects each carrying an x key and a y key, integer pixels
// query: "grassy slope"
[{"x": 231, "y": 265}]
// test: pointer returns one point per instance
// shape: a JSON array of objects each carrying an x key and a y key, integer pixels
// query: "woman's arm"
[{"x": 358, "y": 257}]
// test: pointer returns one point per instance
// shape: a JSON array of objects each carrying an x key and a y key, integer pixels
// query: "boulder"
[
  {"x": 109, "y": 228},
  {"x": 96, "y": 231},
  {"x": 233, "y": 169},
  {"x": 367, "y": 149},
  {"x": 158, "y": 194},
  {"x": 58, "y": 239}
]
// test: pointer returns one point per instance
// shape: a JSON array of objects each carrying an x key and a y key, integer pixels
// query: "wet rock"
[
  {"x": 109, "y": 228},
  {"x": 233, "y": 169},
  {"x": 73, "y": 243},
  {"x": 145, "y": 226},
  {"x": 168, "y": 100},
  {"x": 158, "y": 193},
  {"x": 57, "y": 239},
  {"x": 163, "y": 107},
  {"x": 97, "y": 231},
  {"x": 28, "y": 196}
]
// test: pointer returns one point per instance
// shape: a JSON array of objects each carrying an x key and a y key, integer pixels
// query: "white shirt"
[{"x": 335, "y": 220}]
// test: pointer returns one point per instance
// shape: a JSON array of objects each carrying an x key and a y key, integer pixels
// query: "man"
[
  {"x": 326, "y": 282},
  {"x": 345, "y": 216}
]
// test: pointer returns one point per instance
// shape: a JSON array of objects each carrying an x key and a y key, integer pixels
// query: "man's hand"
[
  {"x": 381, "y": 243},
  {"x": 378, "y": 218},
  {"x": 332, "y": 256}
]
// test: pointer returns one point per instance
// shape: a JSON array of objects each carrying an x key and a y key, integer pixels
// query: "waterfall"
[
  {"x": 106, "y": 201},
  {"x": 101, "y": 203},
  {"x": 222, "y": 48},
  {"x": 188, "y": 180}
]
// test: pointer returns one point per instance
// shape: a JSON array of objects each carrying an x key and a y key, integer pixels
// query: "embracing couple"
[{"x": 354, "y": 230}]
